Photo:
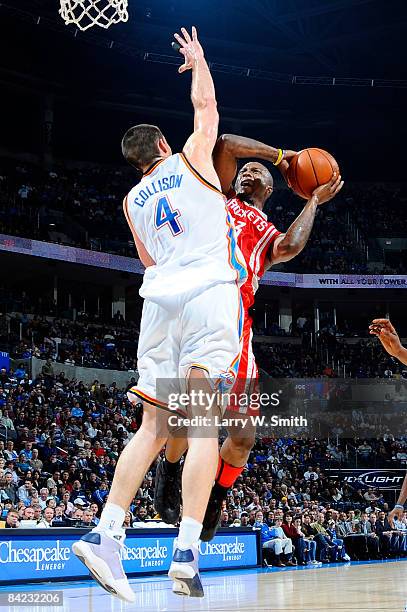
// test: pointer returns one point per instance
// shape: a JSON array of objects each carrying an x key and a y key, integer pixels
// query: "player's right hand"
[
  {"x": 285, "y": 164},
  {"x": 384, "y": 330},
  {"x": 327, "y": 192},
  {"x": 190, "y": 48}
]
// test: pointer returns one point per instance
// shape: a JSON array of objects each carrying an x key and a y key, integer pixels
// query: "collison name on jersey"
[{"x": 167, "y": 182}]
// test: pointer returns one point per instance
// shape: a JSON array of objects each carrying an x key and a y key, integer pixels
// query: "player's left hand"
[
  {"x": 190, "y": 48},
  {"x": 395, "y": 513},
  {"x": 384, "y": 330},
  {"x": 327, "y": 192}
]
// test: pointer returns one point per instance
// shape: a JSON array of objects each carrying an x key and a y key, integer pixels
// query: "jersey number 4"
[{"x": 164, "y": 215}]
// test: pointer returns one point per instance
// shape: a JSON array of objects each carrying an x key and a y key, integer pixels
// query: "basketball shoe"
[
  {"x": 184, "y": 572},
  {"x": 100, "y": 551},
  {"x": 213, "y": 512},
  {"x": 167, "y": 492}
]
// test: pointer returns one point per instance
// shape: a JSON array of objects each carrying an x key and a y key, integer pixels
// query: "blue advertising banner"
[{"x": 46, "y": 554}]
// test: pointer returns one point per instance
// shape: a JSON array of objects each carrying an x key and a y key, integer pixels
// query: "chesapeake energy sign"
[
  {"x": 383, "y": 479},
  {"x": 30, "y": 558}
]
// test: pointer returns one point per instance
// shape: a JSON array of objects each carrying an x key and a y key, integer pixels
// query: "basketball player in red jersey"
[{"x": 262, "y": 245}]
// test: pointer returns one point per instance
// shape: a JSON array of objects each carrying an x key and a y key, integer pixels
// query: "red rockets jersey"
[{"x": 255, "y": 235}]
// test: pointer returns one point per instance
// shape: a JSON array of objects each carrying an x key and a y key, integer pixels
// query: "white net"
[{"x": 88, "y": 13}]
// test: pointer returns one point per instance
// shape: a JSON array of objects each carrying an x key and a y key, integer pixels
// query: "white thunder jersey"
[{"x": 184, "y": 224}]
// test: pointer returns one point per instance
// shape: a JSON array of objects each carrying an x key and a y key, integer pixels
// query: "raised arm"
[
  {"x": 398, "y": 509},
  {"x": 229, "y": 148},
  {"x": 384, "y": 330},
  {"x": 199, "y": 146},
  {"x": 289, "y": 245}
]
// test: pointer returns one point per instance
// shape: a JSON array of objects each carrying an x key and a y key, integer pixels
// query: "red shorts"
[{"x": 247, "y": 382}]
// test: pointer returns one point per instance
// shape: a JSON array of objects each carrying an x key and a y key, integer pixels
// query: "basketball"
[{"x": 309, "y": 169}]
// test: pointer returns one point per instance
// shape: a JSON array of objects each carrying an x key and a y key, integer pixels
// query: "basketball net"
[{"x": 88, "y": 13}]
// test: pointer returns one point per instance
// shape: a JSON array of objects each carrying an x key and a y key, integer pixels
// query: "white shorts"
[{"x": 200, "y": 330}]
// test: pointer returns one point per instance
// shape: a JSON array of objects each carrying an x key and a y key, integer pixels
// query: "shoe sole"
[
  {"x": 99, "y": 569},
  {"x": 171, "y": 517},
  {"x": 186, "y": 582}
]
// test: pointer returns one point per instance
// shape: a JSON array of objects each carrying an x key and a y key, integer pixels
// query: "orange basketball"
[{"x": 309, "y": 169}]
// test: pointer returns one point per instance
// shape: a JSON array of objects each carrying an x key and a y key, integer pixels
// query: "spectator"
[
  {"x": 310, "y": 474},
  {"x": 9, "y": 489},
  {"x": 25, "y": 492},
  {"x": 47, "y": 518},
  {"x": 43, "y": 498},
  {"x": 12, "y": 520},
  {"x": 277, "y": 541},
  {"x": 298, "y": 541},
  {"x": 87, "y": 518},
  {"x": 372, "y": 539},
  {"x": 385, "y": 533},
  {"x": 10, "y": 453},
  {"x": 310, "y": 548}
]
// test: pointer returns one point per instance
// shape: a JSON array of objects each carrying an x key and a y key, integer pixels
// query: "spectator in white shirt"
[
  {"x": 42, "y": 500},
  {"x": 25, "y": 492},
  {"x": 310, "y": 474},
  {"x": 47, "y": 518}
]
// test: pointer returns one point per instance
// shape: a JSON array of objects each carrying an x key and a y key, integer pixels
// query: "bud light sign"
[
  {"x": 25, "y": 556},
  {"x": 390, "y": 480}
]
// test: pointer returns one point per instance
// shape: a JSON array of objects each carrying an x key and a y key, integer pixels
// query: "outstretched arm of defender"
[
  {"x": 229, "y": 148},
  {"x": 384, "y": 330},
  {"x": 289, "y": 245},
  {"x": 199, "y": 146},
  {"x": 399, "y": 507}
]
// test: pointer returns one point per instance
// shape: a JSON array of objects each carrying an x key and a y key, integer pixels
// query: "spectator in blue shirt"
[{"x": 274, "y": 539}]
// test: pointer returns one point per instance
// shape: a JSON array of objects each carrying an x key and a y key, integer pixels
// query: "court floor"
[{"x": 361, "y": 587}]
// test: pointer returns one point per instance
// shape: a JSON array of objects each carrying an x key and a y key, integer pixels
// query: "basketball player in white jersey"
[{"x": 189, "y": 334}]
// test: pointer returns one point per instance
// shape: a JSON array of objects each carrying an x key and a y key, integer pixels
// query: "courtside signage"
[{"x": 50, "y": 557}]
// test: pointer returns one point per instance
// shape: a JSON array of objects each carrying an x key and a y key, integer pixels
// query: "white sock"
[
  {"x": 189, "y": 533},
  {"x": 112, "y": 518}
]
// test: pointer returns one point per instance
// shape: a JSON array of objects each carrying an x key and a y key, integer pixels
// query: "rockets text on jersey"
[{"x": 255, "y": 235}]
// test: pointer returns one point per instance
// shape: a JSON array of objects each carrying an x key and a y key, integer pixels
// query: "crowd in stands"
[
  {"x": 76, "y": 206},
  {"x": 59, "y": 444},
  {"x": 68, "y": 206},
  {"x": 113, "y": 346},
  {"x": 364, "y": 359},
  {"x": 332, "y": 246},
  {"x": 90, "y": 340},
  {"x": 389, "y": 204},
  {"x": 80, "y": 343}
]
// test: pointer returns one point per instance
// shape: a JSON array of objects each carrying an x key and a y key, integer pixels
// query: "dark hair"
[{"x": 139, "y": 145}]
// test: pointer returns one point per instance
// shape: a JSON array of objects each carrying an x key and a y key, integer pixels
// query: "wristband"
[
  {"x": 280, "y": 157},
  {"x": 399, "y": 506}
]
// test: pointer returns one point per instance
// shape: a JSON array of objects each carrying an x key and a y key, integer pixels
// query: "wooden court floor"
[{"x": 376, "y": 587}]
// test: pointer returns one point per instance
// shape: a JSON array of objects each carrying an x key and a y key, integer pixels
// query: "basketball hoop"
[{"x": 88, "y": 13}]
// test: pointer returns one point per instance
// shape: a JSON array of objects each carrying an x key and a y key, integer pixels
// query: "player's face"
[{"x": 253, "y": 180}]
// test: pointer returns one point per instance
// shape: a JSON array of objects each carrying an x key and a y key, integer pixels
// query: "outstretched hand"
[
  {"x": 395, "y": 513},
  {"x": 327, "y": 192},
  {"x": 190, "y": 48},
  {"x": 384, "y": 330}
]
